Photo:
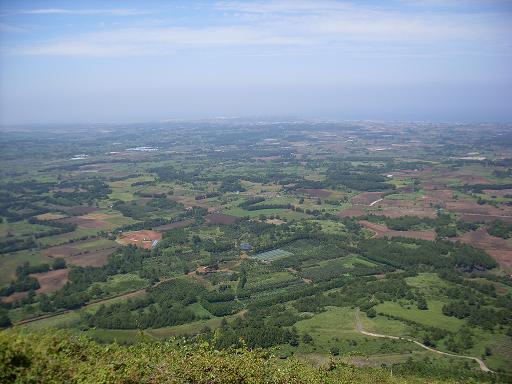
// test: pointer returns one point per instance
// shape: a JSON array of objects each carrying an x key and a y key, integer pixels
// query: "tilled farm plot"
[
  {"x": 499, "y": 249},
  {"x": 219, "y": 218},
  {"x": 51, "y": 281}
]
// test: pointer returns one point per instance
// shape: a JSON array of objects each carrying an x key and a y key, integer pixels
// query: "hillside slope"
[{"x": 59, "y": 357}]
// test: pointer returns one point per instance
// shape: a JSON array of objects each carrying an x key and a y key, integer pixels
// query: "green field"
[
  {"x": 431, "y": 317},
  {"x": 272, "y": 255},
  {"x": 9, "y": 262}
]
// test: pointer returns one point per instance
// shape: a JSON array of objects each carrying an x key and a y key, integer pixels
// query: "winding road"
[{"x": 359, "y": 328}]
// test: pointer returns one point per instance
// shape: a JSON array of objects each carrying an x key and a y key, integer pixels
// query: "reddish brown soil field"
[
  {"x": 467, "y": 206},
  {"x": 472, "y": 179},
  {"x": 14, "y": 297},
  {"x": 476, "y": 218},
  {"x": 51, "y": 281},
  {"x": 83, "y": 222},
  {"x": 433, "y": 186},
  {"x": 219, "y": 218},
  {"x": 143, "y": 239},
  {"x": 96, "y": 216},
  {"x": 366, "y": 198},
  {"x": 60, "y": 251},
  {"x": 498, "y": 192},
  {"x": 92, "y": 259},
  {"x": 440, "y": 194},
  {"x": 383, "y": 231},
  {"x": 496, "y": 247},
  {"x": 317, "y": 192},
  {"x": 179, "y": 224},
  {"x": 351, "y": 212},
  {"x": 74, "y": 255},
  {"x": 395, "y": 203},
  {"x": 408, "y": 212}
]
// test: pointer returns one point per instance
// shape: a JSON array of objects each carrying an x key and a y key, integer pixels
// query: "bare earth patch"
[
  {"x": 467, "y": 206},
  {"x": 92, "y": 259},
  {"x": 498, "y": 192},
  {"x": 75, "y": 255},
  {"x": 51, "y": 281},
  {"x": 366, "y": 198},
  {"x": 498, "y": 248},
  {"x": 408, "y": 212},
  {"x": 351, "y": 212},
  {"x": 60, "y": 251},
  {"x": 143, "y": 239},
  {"x": 477, "y": 218},
  {"x": 220, "y": 218},
  {"x": 83, "y": 222},
  {"x": 14, "y": 297}
]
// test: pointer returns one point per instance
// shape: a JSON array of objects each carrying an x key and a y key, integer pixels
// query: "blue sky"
[{"x": 124, "y": 61}]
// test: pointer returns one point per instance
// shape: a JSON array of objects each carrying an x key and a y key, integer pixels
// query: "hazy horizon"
[{"x": 113, "y": 62}]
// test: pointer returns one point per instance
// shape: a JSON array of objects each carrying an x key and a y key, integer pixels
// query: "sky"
[{"x": 134, "y": 61}]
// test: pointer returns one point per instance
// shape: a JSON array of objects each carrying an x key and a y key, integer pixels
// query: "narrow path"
[
  {"x": 359, "y": 328},
  {"x": 375, "y": 202}
]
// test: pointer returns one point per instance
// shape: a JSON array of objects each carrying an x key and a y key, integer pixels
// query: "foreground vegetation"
[
  {"x": 60, "y": 357},
  {"x": 291, "y": 238}
]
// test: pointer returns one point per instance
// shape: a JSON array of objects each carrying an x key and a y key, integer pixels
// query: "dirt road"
[{"x": 359, "y": 328}]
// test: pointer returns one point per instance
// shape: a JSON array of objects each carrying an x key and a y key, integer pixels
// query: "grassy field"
[
  {"x": 66, "y": 320},
  {"x": 20, "y": 229},
  {"x": 272, "y": 255},
  {"x": 122, "y": 283},
  {"x": 336, "y": 328},
  {"x": 431, "y": 317},
  {"x": 9, "y": 262},
  {"x": 262, "y": 281}
]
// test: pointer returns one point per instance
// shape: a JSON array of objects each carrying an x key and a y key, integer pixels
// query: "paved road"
[{"x": 359, "y": 328}]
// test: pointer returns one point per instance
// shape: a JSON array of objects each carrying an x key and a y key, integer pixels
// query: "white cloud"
[
  {"x": 100, "y": 11},
  {"x": 285, "y": 23},
  {"x": 283, "y": 6}
]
